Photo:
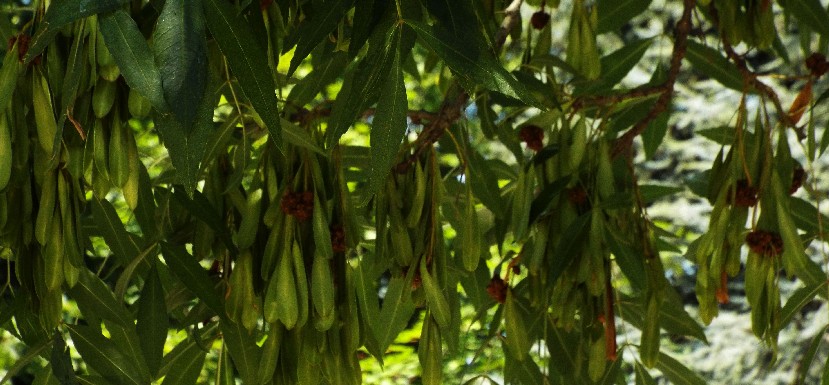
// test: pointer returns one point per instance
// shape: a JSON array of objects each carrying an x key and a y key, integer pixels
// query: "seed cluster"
[
  {"x": 298, "y": 204},
  {"x": 497, "y": 289},
  {"x": 798, "y": 177},
  {"x": 338, "y": 238},
  {"x": 746, "y": 194},
  {"x": 540, "y": 19},
  {"x": 534, "y": 137},
  {"x": 22, "y": 41},
  {"x": 817, "y": 64},
  {"x": 765, "y": 243}
]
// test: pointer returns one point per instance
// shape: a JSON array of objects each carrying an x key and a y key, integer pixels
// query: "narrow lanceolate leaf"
[
  {"x": 186, "y": 144},
  {"x": 61, "y": 362},
  {"x": 246, "y": 60},
  {"x": 94, "y": 296},
  {"x": 617, "y": 64},
  {"x": 479, "y": 68},
  {"x": 613, "y": 14},
  {"x": 126, "y": 339},
  {"x": 61, "y": 13},
  {"x": 8, "y": 76},
  {"x": 711, "y": 63},
  {"x": 103, "y": 356},
  {"x": 398, "y": 307},
  {"x": 324, "y": 18},
  {"x": 798, "y": 300},
  {"x": 185, "y": 368},
  {"x": 153, "y": 322},
  {"x": 122, "y": 243},
  {"x": 298, "y": 136},
  {"x": 181, "y": 53},
  {"x": 811, "y": 13},
  {"x": 309, "y": 86},
  {"x": 243, "y": 349},
  {"x": 133, "y": 56},
  {"x": 188, "y": 270},
  {"x": 676, "y": 372},
  {"x": 389, "y": 124}
]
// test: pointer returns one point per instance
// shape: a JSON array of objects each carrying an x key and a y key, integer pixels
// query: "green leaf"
[
  {"x": 324, "y": 17},
  {"x": 126, "y": 339},
  {"x": 653, "y": 192},
  {"x": 397, "y": 309},
  {"x": 186, "y": 144},
  {"x": 811, "y": 13},
  {"x": 642, "y": 375},
  {"x": 122, "y": 243},
  {"x": 102, "y": 355},
  {"x": 677, "y": 373},
  {"x": 153, "y": 322},
  {"x": 8, "y": 77},
  {"x": 798, "y": 300},
  {"x": 185, "y": 368},
  {"x": 133, "y": 56},
  {"x": 569, "y": 245},
  {"x": 654, "y": 134},
  {"x": 629, "y": 261},
  {"x": 806, "y": 216},
  {"x": 181, "y": 54},
  {"x": 243, "y": 349},
  {"x": 189, "y": 271},
  {"x": 95, "y": 297},
  {"x": 473, "y": 67},
  {"x": 389, "y": 123},
  {"x": 60, "y": 14},
  {"x": 199, "y": 207},
  {"x": 672, "y": 316},
  {"x": 75, "y": 65},
  {"x": 616, "y": 65},
  {"x": 238, "y": 44},
  {"x": 809, "y": 356},
  {"x": 61, "y": 362},
  {"x": 93, "y": 380},
  {"x": 299, "y": 137},
  {"x": 723, "y": 135},
  {"x": 309, "y": 86},
  {"x": 613, "y": 14},
  {"x": 711, "y": 63}
]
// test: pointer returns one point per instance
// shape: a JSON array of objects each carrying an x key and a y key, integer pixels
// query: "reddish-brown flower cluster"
[
  {"x": 534, "y": 137},
  {"x": 746, "y": 195},
  {"x": 765, "y": 242},
  {"x": 817, "y": 64},
  {"x": 264, "y": 4},
  {"x": 798, "y": 177},
  {"x": 22, "y": 41},
  {"x": 497, "y": 289},
  {"x": 540, "y": 19},
  {"x": 338, "y": 238},
  {"x": 298, "y": 204}
]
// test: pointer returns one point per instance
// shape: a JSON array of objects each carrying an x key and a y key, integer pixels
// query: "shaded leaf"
[
  {"x": 181, "y": 54},
  {"x": 711, "y": 63},
  {"x": 243, "y": 349},
  {"x": 133, "y": 56},
  {"x": 95, "y": 297},
  {"x": 811, "y": 13},
  {"x": 652, "y": 192},
  {"x": 397, "y": 309},
  {"x": 189, "y": 271},
  {"x": 676, "y": 372},
  {"x": 102, "y": 355},
  {"x": 616, "y": 65},
  {"x": 186, "y": 367},
  {"x": 244, "y": 56},
  {"x": 122, "y": 243},
  {"x": 806, "y": 216},
  {"x": 613, "y": 14},
  {"x": 60, "y": 362},
  {"x": 298, "y": 136},
  {"x": 126, "y": 339},
  {"x": 809, "y": 356},
  {"x": 324, "y": 17},
  {"x": 389, "y": 123},
  {"x": 473, "y": 67},
  {"x": 309, "y": 86},
  {"x": 798, "y": 300},
  {"x": 569, "y": 245},
  {"x": 654, "y": 134},
  {"x": 60, "y": 14},
  {"x": 153, "y": 322}
]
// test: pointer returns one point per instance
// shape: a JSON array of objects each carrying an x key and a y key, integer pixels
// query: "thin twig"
[
  {"x": 451, "y": 108},
  {"x": 683, "y": 27}
]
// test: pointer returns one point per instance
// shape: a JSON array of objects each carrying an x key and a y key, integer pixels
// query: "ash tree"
[{"x": 268, "y": 192}]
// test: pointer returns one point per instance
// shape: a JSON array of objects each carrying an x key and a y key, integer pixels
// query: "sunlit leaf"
[{"x": 397, "y": 309}]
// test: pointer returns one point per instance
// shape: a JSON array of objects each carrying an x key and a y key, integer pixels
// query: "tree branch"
[
  {"x": 452, "y": 106},
  {"x": 666, "y": 90}
]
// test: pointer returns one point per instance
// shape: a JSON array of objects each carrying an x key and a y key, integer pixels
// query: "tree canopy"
[{"x": 283, "y": 188}]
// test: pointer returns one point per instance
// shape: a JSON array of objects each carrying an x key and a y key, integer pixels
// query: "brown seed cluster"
[
  {"x": 22, "y": 41},
  {"x": 765, "y": 243},
  {"x": 338, "y": 238},
  {"x": 817, "y": 64},
  {"x": 746, "y": 194},
  {"x": 540, "y": 19},
  {"x": 298, "y": 204},
  {"x": 534, "y": 137},
  {"x": 798, "y": 177},
  {"x": 497, "y": 289}
]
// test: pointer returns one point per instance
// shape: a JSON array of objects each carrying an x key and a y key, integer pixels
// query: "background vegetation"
[{"x": 280, "y": 192}]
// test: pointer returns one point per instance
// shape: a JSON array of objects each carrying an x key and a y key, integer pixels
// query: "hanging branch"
[
  {"x": 666, "y": 90},
  {"x": 452, "y": 106}
]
